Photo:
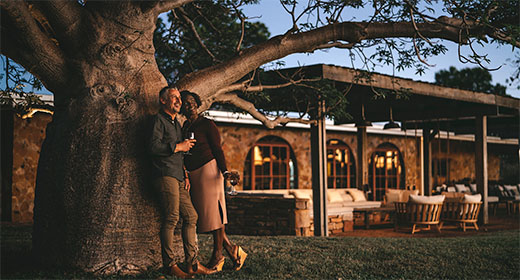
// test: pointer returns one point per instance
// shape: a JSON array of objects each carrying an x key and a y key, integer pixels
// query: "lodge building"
[{"x": 280, "y": 158}]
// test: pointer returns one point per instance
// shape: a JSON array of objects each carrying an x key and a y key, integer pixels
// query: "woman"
[{"x": 207, "y": 167}]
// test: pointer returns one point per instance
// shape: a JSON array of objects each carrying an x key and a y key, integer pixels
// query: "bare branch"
[
  {"x": 251, "y": 109},
  {"x": 195, "y": 33},
  {"x": 339, "y": 45},
  {"x": 244, "y": 86},
  {"x": 242, "y": 27},
  {"x": 280, "y": 46},
  {"x": 418, "y": 53},
  {"x": 24, "y": 42},
  {"x": 166, "y": 5}
]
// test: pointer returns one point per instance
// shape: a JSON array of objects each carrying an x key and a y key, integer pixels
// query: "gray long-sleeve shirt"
[{"x": 166, "y": 134}]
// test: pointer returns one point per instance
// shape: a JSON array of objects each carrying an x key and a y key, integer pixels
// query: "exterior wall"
[
  {"x": 28, "y": 137},
  {"x": 237, "y": 140},
  {"x": 462, "y": 160}
]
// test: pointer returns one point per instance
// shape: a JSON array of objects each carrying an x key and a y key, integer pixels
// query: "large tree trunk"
[{"x": 95, "y": 207}]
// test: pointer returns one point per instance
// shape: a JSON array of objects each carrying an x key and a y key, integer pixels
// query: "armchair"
[{"x": 419, "y": 210}]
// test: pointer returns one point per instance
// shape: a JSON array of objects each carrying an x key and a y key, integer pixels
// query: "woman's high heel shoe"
[
  {"x": 238, "y": 258},
  {"x": 218, "y": 266}
]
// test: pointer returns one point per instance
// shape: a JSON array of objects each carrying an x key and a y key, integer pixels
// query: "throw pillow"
[
  {"x": 426, "y": 199},
  {"x": 392, "y": 197},
  {"x": 473, "y": 188},
  {"x": 405, "y": 195},
  {"x": 460, "y": 187},
  {"x": 356, "y": 194},
  {"x": 475, "y": 198},
  {"x": 334, "y": 195}
]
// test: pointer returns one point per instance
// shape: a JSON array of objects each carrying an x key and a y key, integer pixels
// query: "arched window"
[
  {"x": 385, "y": 170},
  {"x": 341, "y": 167},
  {"x": 270, "y": 164}
]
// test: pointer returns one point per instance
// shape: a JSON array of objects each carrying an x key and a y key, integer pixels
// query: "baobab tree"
[{"x": 93, "y": 208}]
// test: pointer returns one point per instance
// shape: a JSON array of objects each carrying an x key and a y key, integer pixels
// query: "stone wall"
[
  {"x": 28, "y": 137},
  {"x": 237, "y": 140},
  {"x": 462, "y": 160},
  {"x": 258, "y": 215}
]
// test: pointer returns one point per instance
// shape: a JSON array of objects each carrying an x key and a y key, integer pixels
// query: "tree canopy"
[{"x": 474, "y": 79}]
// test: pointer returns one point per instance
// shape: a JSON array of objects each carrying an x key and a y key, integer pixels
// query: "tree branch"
[
  {"x": 166, "y": 5},
  {"x": 251, "y": 109},
  {"x": 29, "y": 46},
  {"x": 64, "y": 17},
  {"x": 279, "y": 46},
  {"x": 195, "y": 33},
  {"x": 245, "y": 87}
]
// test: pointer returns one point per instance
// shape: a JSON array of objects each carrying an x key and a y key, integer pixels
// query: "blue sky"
[{"x": 278, "y": 21}]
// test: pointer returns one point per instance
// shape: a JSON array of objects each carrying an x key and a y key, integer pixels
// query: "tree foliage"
[
  {"x": 474, "y": 79},
  {"x": 202, "y": 34}
]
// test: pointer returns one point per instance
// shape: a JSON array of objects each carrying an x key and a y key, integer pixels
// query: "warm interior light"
[
  {"x": 257, "y": 155},
  {"x": 338, "y": 155}
]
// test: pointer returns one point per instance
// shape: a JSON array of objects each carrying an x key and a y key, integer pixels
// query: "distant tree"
[{"x": 474, "y": 79}]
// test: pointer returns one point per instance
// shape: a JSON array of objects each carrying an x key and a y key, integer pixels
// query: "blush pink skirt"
[{"x": 207, "y": 195}]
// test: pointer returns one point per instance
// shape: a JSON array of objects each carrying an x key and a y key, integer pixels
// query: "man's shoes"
[
  {"x": 198, "y": 268},
  {"x": 176, "y": 271}
]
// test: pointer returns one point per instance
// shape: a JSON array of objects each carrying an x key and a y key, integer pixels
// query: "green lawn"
[{"x": 492, "y": 256}]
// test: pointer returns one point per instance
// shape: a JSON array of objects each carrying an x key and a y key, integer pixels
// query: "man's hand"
[{"x": 185, "y": 145}]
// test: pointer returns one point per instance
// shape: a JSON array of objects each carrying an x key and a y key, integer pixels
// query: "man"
[{"x": 167, "y": 149}]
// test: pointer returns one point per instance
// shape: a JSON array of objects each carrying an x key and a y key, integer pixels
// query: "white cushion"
[
  {"x": 426, "y": 199},
  {"x": 460, "y": 187},
  {"x": 451, "y": 189},
  {"x": 473, "y": 188},
  {"x": 346, "y": 197},
  {"x": 493, "y": 199},
  {"x": 302, "y": 194},
  {"x": 334, "y": 195},
  {"x": 472, "y": 198},
  {"x": 392, "y": 197},
  {"x": 356, "y": 194},
  {"x": 512, "y": 190}
]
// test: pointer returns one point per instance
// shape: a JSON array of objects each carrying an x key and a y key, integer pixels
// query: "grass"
[{"x": 490, "y": 256}]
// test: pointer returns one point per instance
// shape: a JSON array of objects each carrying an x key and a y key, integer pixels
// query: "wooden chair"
[
  {"x": 414, "y": 214},
  {"x": 462, "y": 213}
]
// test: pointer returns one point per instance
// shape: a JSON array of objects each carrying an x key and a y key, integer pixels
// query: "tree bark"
[{"x": 95, "y": 208}]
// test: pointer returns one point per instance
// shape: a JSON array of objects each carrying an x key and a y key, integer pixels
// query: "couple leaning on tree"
[{"x": 205, "y": 208}]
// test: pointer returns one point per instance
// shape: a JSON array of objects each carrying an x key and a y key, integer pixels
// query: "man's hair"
[
  {"x": 185, "y": 93},
  {"x": 164, "y": 90}
]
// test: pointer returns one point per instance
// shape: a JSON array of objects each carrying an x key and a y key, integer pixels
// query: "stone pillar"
[
  {"x": 481, "y": 164},
  {"x": 319, "y": 174}
]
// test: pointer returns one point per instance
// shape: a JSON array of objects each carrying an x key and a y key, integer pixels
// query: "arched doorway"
[
  {"x": 270, "y": 164},
  {"x": 385, "y": 170},
  {"x": 341, "y": 166}
]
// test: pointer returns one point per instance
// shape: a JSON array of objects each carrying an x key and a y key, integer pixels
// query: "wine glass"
[
  {"x": 191, "y": 136},
  {"x": 232, "y": 182}
]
